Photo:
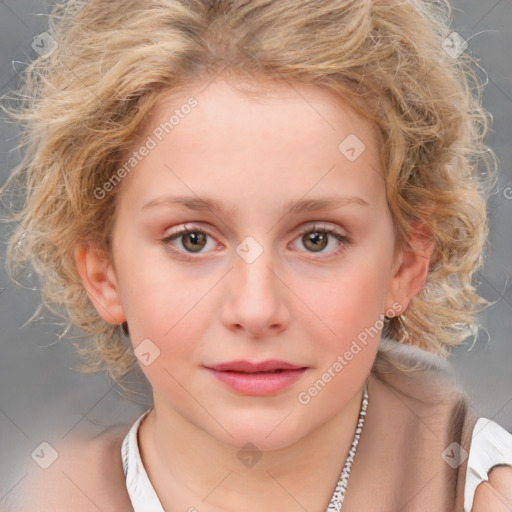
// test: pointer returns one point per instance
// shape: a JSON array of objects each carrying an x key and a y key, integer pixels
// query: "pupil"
[
  {"x": 194, "y": 239},
  {"x": 316, "y": 239}
]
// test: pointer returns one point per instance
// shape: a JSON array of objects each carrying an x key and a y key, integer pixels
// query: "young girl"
[{"x": 282, "y": 205}]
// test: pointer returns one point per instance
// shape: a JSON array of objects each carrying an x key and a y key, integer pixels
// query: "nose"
[{"x": 256, "y": 301}]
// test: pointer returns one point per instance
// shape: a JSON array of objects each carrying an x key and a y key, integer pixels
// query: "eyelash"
[{"x": 343, "y": 240}]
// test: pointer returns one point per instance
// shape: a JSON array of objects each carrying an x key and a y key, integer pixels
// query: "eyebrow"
[{"x": 292, "y": 207}]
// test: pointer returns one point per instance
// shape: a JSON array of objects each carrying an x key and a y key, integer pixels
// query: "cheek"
[
  {"x": 157, "y": 295},
  {"x": 166, "y": 312},
  {"x": 171, "y": 332},
  {"x": 352, "y": 299},
  {"x": 171, "y": 311},
  {"x": 348, "y": 315}
]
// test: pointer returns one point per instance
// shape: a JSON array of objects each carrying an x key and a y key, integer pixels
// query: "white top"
[
  {"x": 142, "y": 494},
  {"x": 491, "y": 445}
]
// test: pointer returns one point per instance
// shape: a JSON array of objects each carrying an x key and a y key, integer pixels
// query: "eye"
[
  {"x": 316, "y": 238},
  {"x": 193, "y": 239}
]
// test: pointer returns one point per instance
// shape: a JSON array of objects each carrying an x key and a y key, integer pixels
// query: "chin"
[{"x": 265, "y": 435}]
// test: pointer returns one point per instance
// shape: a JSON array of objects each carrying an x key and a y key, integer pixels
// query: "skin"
[
  {"x": 254, "y": 155},
  {"x": 496, "y": 494}
]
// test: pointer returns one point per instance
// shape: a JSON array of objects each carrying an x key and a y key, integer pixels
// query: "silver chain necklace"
[{"x": 341, "y": 487}]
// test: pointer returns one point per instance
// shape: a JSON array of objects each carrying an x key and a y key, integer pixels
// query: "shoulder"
[
  {"x": 489, "y": 477},
  {"x": 429, "y": 389},
  {"x": 425, "y": 383},
  {"x": 87, "y": 475},
  {"x": 432, "y": 413},
  {"x": 429, "y": 395},
  {"x": 495, "y": 495},
  {"x": 414, "y": 416}
]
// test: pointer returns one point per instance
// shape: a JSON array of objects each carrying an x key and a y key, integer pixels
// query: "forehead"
[
  {"x": 229, "y": 99},
  {"x": 282, "y": 137}
]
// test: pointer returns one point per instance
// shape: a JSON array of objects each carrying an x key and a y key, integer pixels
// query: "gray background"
[{"x": 44, "y": 398}]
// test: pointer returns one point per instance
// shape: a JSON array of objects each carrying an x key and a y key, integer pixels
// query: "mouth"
[
  {"x": 270, "y": 366},
  {"x": 279, "y": 370},
  {"x": 257, "y": 379}
]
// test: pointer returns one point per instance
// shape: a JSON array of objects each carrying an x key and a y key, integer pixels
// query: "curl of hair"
[{"x": 80, "y": 108}]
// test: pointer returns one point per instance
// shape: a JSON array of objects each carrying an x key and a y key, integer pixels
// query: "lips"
[
  {"x": 249, "y": 367},
  {"x": 257, "y": 379}
]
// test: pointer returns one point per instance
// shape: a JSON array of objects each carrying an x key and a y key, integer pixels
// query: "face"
[{"x": 257, "y": 229}]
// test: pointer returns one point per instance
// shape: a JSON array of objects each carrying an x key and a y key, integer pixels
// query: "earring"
[{"x": 124, "y": 328}]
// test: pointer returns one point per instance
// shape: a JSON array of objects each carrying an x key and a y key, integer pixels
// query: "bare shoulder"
[
  {"x": 87, "y": 475},
  {"x": 496, "y": 494}
]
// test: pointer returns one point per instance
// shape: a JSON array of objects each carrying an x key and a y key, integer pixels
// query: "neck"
[{"x": 188, "y": 465}]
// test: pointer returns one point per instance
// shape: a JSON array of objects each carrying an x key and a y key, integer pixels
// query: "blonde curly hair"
[{"x": 81, "y": 107}]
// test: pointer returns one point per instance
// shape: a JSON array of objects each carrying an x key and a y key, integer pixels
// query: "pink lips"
[
  {"x": 248, "y": 367},
  {"x": 263, "y": 378}
]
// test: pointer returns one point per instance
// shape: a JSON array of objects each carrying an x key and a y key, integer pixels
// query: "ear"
[
  {"x": 99, "y": 280},
  {"x": 411, "y": 269}
]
